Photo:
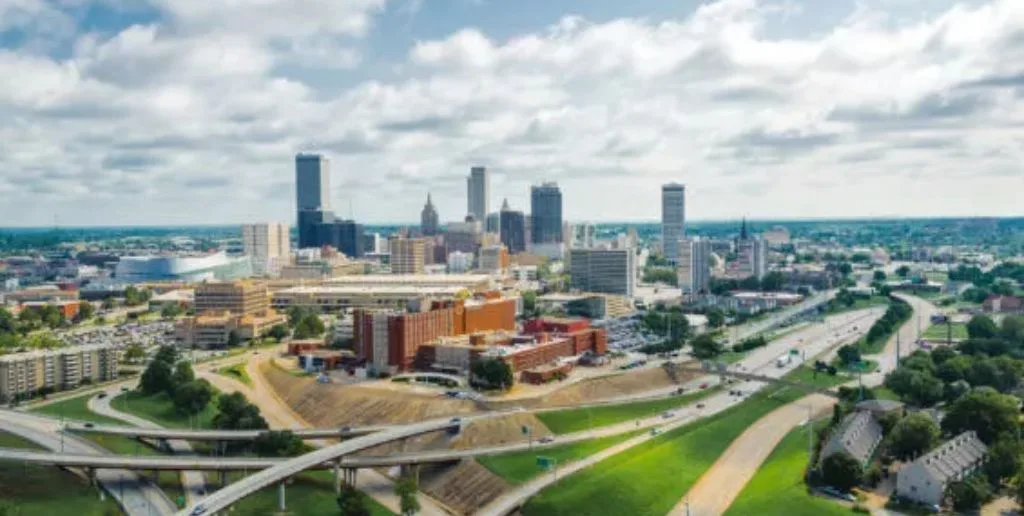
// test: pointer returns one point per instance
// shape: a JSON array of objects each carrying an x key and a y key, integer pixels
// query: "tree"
[
  {"x": 941, "y": 354},
  {"x": 903, "y": 271},
  {"x": 879, "y": 276},
  {"x": 530, "y": 303},
  {"x": 916, "y": 387},
  {"x": 841, "y": 471},
  {"x": 182, "y": 374},
  {"x": 170, "y": 311},
  {"x": 405, "y": 490},
  {"x": 1004, "y": 460},
  {"x": 664, "y": 275},
  {"x": 969, "y": 494},
  {"x": 276, "y": 443},
  {"x": 156, "y": 378},
  {"x": 352, "y": 501},
  {"x": 984, "y": 411},
  {"x": 849, "y": 354},
  {"x": 705, "y": 346},
  {"x": 233, "y": 339},
  {"x": 192, "y": 397},
  {"x": 716, "y": 318},
  {"x": 310, "y": 326},
  {"x": 234, "y": 412},
  {"x": 134, "y": 353},
  {"x": 279, "y": 332},
  {"x": 982, "y": 327},
  {"x": 845, "y": 269},
  {"x": 86, "y": 311},
  {"x": 956, "y": 368},
  {"x": 773, "y": 281},
  {"x": 491, "y": 373},
  {"x": 167, "y": 354},
  {"x": 108, "y": 304},
  {"x": 913, "y": 436},
  {"x": 133, "y": 296}
]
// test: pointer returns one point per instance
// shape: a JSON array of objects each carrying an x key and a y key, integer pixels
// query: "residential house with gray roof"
[
  {"x": 925, "y": 480},
  {"x": 858, "y": 436}
]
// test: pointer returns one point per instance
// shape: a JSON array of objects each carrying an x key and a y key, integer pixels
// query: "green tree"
[
  {"x": 171, "y": 311},
  {"x": 192, "y": 397},
  {"x": 984, "y": 411},
  {"x": 879, "y": 276},
  {"x": 982, "y": 327},
  {"x": 167, "y": 354},
  {"x": 309, "y": 327},
  {"x": 234, "y": 412},
  {"x": 970, "y": 494},
  {"x": 773, "y": 281},
  {"x": 942, "y": 354},
  {"x": 183, "y": 374},
  {"x": 916, "y": 387},
  {"x": 108, "y": 304},
  {"x": 915, "y": 435},
  {"x": 352, "y": 501},
  {"x": 277, "y": 443},
  {"x": 156, "y": 378},
  {"x": 845, "y": 269},
  {"x": 406, "y": 489},
  {"x": 1004, "y": 460},
  {"x": 903, "y": 271},
  {"x": 134, "y": 353},
  {"x": 86, "y": 311},
  {"x": 279, "y": 332},
  {"x": 233, "y": 339},
  {"x": 841, "y": 471},
  {"x": 529, "y": 303},
  {"x": 716, "y": 318},
  {"x": 492, "y": 373},
  {"x": 705, "y": 346},
  {"x": 849, "y": 355}
]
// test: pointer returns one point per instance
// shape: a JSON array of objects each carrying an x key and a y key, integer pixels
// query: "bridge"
[
  {"x": 765, "y": 379},
  {"x": 221, "y": 435}
]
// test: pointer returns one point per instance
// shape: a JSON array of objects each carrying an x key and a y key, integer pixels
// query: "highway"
[
  {"x": 219, "y": 435},
  {"x": 753, "y": 328},
  {"x": 136, "y": 496},
  {"x": 193, "y": 483},
  {"x": 223, "y": 498}
]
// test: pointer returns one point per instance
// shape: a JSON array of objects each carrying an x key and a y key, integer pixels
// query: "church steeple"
[{"x": 743, "y": 229}]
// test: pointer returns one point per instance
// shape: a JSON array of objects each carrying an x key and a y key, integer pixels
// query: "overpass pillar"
[
  {"x": 337, "y": 477},
  {"x": 223, "y": 478},
  {"x": 280, "y": 497}
]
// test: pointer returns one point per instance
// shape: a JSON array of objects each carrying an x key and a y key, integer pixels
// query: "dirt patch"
[
  {"x": 500, "y": 430},
  {"x": 464, "y": 488},
  {"x": 624, "y": 384}
]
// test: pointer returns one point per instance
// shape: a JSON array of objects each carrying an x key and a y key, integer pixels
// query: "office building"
[
  {"x": 673, "y": 219},
  {"x": 429, "y": 219},
  {"x": 694, "y": 265},
  {"x": 493, "y": 223},
  {"x": 407, "y": 255},
  {"x": 214, "y": 329},
  {"x": 478, "y": 186},
  {"x": 751, "y": 255},
  {"x": 513, "y": 229},
  {"x": 463, "y": 237},
  {"x": 30, "y": 373},
  {"x": 239, "y": 297},
  {"x": 608, "y": 271},
  {"x": 459, "y": 262},
  {"x": 309, "y": 222},
  {"x": 346, "y": 236},
  {"x": 312, "y": 195},
  {"x": 268, "y": 246},
  {"x": 494, "y": 259},
  {"x": 546, "y": 213}
]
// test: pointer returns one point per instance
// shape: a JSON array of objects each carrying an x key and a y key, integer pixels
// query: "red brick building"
[{"x": 555, "y": 325}]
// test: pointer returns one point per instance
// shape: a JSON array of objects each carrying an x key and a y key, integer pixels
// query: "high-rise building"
[
  {"x": 237, "y": 297},
  {"x": 587, "y": 236},
  {"x": 429, "y": 219},
  {"x": 407, "y": 255},
  {"x": 308, "y": 222},
  {"x": 268, "y": 245},
  {"x": 751, "y": 254},
  {"x": 344, "y": 235},
  {"x": 546, "y": 213},
  {"x": 58, "y": 369},
  {"x": 673, "y": 219},
  {"x": 513, "y": 229},
  {"x": 608, "y": 271},
  {"x": 493, "y": 223},
  {"x": 462, "y": 236},
  {"x": 312, "y": 196},
  {"x": 478, "y": 186},
  {"x": 494, "y": 258},
  {"x": 694, "y": 268}
]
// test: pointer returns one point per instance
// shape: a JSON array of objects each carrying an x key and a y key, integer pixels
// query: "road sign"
[
  {"x": 181, "y": 501},
  {"x": 794, "y": 352},
  {"x": 525, "y": 430},
  {"x": 545, "y": 463}
]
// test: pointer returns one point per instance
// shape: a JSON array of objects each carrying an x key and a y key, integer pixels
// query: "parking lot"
[
  {"x": 146, "y": 334},
  {"x": 626, "y": 333}
]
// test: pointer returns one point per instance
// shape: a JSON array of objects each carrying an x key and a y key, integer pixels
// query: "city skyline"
[{"x": 136, "y": 119}]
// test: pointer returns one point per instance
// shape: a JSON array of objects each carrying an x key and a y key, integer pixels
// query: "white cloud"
[{"x": 841, "y": 122}]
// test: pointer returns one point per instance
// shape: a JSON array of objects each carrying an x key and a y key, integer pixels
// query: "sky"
[{"x": 166, "y": 112}]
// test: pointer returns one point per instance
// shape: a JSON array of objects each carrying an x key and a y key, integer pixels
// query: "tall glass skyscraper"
[
  {"x": 312, "y": 196},
  {"x": 478, "y": 186},
  {"x": 546, "y": 213},
  {"x": 673, "y": 219}
]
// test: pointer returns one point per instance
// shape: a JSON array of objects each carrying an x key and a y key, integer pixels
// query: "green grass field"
[
  {"x": 520, "y": 467},
  {"x": 236, "y": 372},
  {"x": 26, "y": 490},
  {"x": 575, "y": 420},
  {"x": 310, "y": 494},
  {"x": 76, "y": 409},
  {"x": 652, "y": 477},
  {"x": 883, "y": 393},
  {"x": 938, "y": 331},
  {"x": 160, "y": 410},
  {"x": 807, "y": 375},
  {"x": 778, "y": 488}
]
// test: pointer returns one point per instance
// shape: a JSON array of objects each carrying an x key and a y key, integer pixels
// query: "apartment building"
[{"x": 59, "y": 369}]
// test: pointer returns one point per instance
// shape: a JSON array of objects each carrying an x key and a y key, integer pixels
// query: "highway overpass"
[{"x": 221, "y": 435}]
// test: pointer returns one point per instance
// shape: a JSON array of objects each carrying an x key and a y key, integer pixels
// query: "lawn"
[
  {"x": 520, "y": 467},
  {"x": 310, "y": 494},
  {"x": 236, "y": 372},
  {"x": 884, "y": 393},
  {"x": 27, "y": 489},
  {"x": 159, "y": 409},
  {"x": 778, "y": 487},
  {"x": 939, "y": 331},
  {"x": 806, "y": 375},
  {"x": 75, "y": 409},
  {"x": 575, "y": 420},
  {"x": 650, "y": 478},
  {"x": 835, "y": 307}
]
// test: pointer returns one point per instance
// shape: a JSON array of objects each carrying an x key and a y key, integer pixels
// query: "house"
[
  {"x": 1002, "y": 304},
  {"x": 858, "y": 435},
  {"x": 925, "y": 480}
]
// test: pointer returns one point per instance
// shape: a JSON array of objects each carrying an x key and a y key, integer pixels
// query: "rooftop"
[
  {"x": 85, "y": 348},
  {"x": 954, "y": 456},
  {"x": 374, "y": 289}
]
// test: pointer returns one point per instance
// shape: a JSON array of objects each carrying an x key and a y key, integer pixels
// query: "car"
[
  {"x": 703, "y": 386},
  {"x": 700, "y": 405},
  {"x": 101, "y": 395},
  {"x": 89, "y": 425},
  {"x": 667, "y": 415},
  {"x": 456, "y": 421},
  {"x": 547, "y": 439},
  {"x": 199, "y": 509},
  {"x": 346, "y": 429}
]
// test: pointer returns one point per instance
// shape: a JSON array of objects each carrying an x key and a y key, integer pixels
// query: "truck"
[{"x": 782, "y": 361}]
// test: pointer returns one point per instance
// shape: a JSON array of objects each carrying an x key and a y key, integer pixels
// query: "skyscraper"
[
  {"x": 478, "y": 186},
  {"x": 608, "y": 271},
  {"x": 751, "y": 253},
  {"x": 344, "y": 235},
  {"x": 312, "y": 195},
  {"x": 407, "y": 255},
  {"x": 673, "y": 219},
  {"x": 694, "y": 270},
  {"x": 546, "y": 212},
  {"x": 267, "y": 245},
  {"x": 428, "y": 219},
  {"x": 513, "y": 229}
]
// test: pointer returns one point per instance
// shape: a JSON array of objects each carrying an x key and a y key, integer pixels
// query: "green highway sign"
[{"x": 545, "y": 463}]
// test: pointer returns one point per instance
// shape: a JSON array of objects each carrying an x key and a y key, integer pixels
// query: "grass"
[
  {"x": 310, "y": 494},
  {"x": 521, "y": 467},
  {"x": 77, "y": 409},
  {"x": 650, "y": 478},
  {"x": 938, "y": 331},
  {"x": 27, "y": 489},
  {"x": 236, "y": 372},
  {"x": 822, "y": 380},
  {"x": 884, "y": 393},
  {"x": 778, "y": 487},
  {"x": 574, "y": 420},
  {"x": 159, "y": 409},
  {"x": 859, "y": 304}
]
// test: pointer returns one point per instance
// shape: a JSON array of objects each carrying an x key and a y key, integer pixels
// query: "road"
[
  {"x": 193, "y": 483},
  {"x": 753, "y": 328},
  {"x": 136, "y": 496},
  {"x": 811, "y": 341},
  {"x": 908, "y": 335},
  {"x": 227, "y": 496}
]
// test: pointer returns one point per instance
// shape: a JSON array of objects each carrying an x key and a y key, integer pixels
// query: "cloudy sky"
[{"x": 191, "y": 111}]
